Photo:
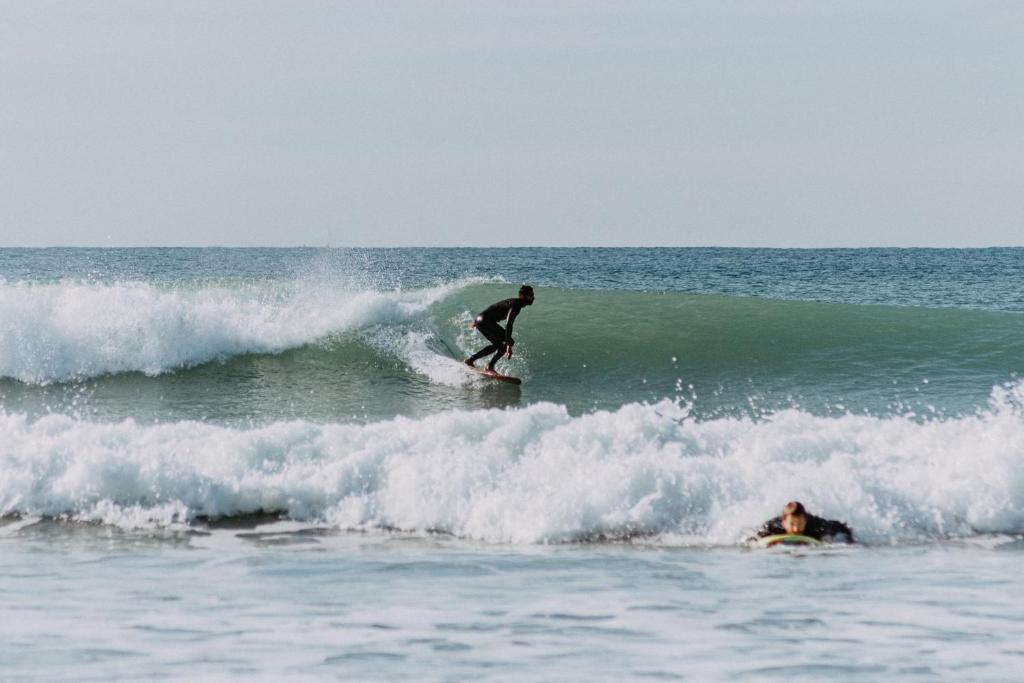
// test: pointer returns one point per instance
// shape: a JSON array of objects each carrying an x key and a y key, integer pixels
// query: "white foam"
[
  {"x": 535, "y": 474},
  {"x": 70, "y": 330}
]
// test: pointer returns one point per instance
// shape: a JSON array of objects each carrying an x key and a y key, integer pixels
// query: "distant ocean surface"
[{"x": 270, "y": 463}]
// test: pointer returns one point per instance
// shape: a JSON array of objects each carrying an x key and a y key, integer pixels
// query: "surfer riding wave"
[{"x": 500, "y": 338}]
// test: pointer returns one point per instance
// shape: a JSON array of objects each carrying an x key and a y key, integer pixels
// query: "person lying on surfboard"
[
  {"x": 500, "y": 339},
  {"x": 795, "y": 520}
]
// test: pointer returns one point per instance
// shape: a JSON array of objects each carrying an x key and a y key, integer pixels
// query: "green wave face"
[{"x": 604, "y": 348}]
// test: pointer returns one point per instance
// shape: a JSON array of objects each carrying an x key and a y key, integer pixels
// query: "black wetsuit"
[
  {"x": 487, "y": 324},
  {"x": 817, "y": 527}
]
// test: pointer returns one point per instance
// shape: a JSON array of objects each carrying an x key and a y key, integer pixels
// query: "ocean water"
[{"x": 262, "y": 463}]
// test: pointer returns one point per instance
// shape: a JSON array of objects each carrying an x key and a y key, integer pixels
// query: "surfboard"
[
  {"x": 786, "y": 539},
  {"x": 501, "y": 378}
]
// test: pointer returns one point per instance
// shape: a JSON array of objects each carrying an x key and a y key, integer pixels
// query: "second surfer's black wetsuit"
[
  {"x": 817, "y": 527},
  {"x": 487, "y": 324}
]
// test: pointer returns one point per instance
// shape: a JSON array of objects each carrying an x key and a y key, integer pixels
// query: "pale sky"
[{"x": 248, "y": 123}]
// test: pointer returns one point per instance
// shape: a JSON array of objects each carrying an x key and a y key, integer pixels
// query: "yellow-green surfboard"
[{"x": 786, "y": 539}]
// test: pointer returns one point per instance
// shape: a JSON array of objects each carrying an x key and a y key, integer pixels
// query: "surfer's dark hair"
[
  {"x": 794, "y": 508},
  {"x": 525, "y": 289}
]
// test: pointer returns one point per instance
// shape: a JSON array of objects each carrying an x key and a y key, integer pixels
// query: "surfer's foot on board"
[
  {"x": 490, "y": 369},
  {"x": 469, "y": 362}
]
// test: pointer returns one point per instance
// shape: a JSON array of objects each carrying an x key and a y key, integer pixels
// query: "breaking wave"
[
  {"x": 537, "y": 474},
  {"x": 71, "y": 330}
]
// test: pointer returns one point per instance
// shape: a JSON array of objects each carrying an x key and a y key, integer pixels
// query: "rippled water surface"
[{"x": 280, "y": 602}]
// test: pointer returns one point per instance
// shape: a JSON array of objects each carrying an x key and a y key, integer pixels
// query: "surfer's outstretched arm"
[
  {"x": 512, "y": 313},
  {"x": 509, "y": 341},
  {"x": 770, "y": 528}
]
